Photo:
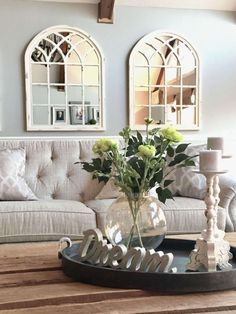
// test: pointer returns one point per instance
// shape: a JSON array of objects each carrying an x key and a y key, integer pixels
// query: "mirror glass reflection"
[
  {"x": 65, "y": 72},
  {"x": 164, "y": 82}
]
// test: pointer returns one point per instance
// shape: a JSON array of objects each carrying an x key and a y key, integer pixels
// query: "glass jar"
[{"x": 136, "y": 222}]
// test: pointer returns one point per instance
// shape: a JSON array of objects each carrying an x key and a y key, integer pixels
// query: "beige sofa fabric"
[
  {"x": 50, "y": 170},
  {"x": 49, "y": 220},
  {"x": 183, "y": 214}
]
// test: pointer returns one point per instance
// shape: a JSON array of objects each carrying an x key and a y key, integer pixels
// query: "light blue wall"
[{"x": 212, "y": 33}]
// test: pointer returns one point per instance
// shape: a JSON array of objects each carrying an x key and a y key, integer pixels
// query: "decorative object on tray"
[
  {"x": 96, "y": 251},
  {"x": 211, "y": 250},
  {"x": 137, "y": 168}
]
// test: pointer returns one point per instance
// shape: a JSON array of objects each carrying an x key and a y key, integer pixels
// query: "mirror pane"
[
  {"x": 83, "y": 47},
  {"x": 57, "y": 95},
  {"x": 149, "y": 50},
  {"x": 189, "y": 76},
  {"x": 172, "y": 115},
  {"x": 39, "y": 55},
  {"x": 39, "y": 73},
  {"x": 157, "y": 75},
  {"x": 91, "y": 94},
  {"x": 40, "y": 115},
  {"x": 157, "y": 59},
  {"x": 173, "y": 96},
  {"x": 186, "y": 56},
  {"x": 158, "y": 114},
  {"x": 56, "y": 73},
  {"x": 157, "y": 96},
  {"x": 91, "y": 57},
  {"x": 75, "y": 38},
  {"x": 173, "y": 76},
  {"x": 139, "y": 59},
  {"x": 189, "y": 96},
  {"x": 141, "y": 96},
  {"x": 188, "y": 115},
  {"x": 74, "y": 74},
  {"x": 140, "y": 114},
  {"x": 74, "y": 57},
  {"x": 39, "y": 94},
  {"x": 92, "y": 115},
  {"x": 74, "y": 93},
  {"x": 91, "y": 76},
  {"x": 172, "y": 59},
  {"x": 141, "y": 76}
]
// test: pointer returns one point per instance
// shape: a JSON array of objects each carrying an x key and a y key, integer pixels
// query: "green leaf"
[
  {"x": 159, "y": 176},
  {"x": 97, "y": 163},
  {"x": 138, "y": 165},
  {"x": 163, "y": 194},
  {"x": 170, "y": 151},
  {"x": 178, "y": 159},
  {"x": 181, "y": 148},
  {"x": 139, "y": 136},
  {"x": 167, "y": 182},
  {"x": 189, "y": 163},
  {"x": 88, "y": 167}
]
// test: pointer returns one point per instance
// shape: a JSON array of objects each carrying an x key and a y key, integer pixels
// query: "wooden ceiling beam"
[{"x": 105, "y": 11}]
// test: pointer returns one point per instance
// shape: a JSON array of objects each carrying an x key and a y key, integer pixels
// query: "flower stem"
[{"x": 134, "y": 211}]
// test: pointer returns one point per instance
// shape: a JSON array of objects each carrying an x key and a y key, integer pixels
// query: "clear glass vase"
[{"x": 136, "y": 222}]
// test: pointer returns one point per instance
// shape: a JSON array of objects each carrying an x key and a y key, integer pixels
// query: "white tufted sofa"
[{"x": 67, "y": 204}]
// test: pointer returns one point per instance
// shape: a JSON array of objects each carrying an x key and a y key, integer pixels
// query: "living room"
[{"x": 65, "y": 201}]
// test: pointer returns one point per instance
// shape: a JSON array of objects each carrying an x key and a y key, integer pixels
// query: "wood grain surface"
[{"x": 31, "y": 281}]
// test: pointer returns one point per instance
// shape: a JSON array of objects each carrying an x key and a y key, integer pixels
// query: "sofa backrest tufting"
[{"x": 51, "y": 171}]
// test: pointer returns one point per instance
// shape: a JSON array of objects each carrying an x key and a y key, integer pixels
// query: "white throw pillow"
[
  {"x": 186, "y": 182},
  {"x": 110, "y": 190},
  {"x": 12, "y": 183}
]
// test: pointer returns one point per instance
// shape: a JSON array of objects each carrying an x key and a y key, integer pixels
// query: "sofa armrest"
[{"x": 228, "y": 200}]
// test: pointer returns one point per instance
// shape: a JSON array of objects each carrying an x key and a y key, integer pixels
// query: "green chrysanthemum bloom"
[
  {"x": 171, "y": 134},
  {"x": 104, "y": 145},
  {"x": 146, "y": 151}
]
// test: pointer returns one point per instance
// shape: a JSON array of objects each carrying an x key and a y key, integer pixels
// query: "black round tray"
[{"x": 180, "y": 282}]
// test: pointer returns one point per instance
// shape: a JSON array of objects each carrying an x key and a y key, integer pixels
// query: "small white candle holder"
[{"x": 211, "y": 250}]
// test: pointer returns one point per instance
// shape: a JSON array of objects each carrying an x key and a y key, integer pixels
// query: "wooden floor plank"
[
  {"x": 33, "y": 279},
  {"x": 28, "y": 263},
  {"x": 155, "y": 304},
  {"x": 29, "y": 249}
]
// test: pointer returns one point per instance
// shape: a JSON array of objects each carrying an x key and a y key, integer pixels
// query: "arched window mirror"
[
  {"x": 164, "y": 82},
  {"x": 64, "y": 81}
]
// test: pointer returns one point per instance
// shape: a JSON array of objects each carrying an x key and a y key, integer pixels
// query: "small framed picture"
[
  {"x": 76, "y": 114},
  {"x": 59, "y": 115}
]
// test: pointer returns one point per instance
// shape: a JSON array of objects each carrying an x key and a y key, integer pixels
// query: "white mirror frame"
[
  {"x": 65, "y": 125},
  {"x": 138, "y": 48}
]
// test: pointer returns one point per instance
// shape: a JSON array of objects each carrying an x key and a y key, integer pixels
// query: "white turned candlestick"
[{"x": 210, "y": 160}]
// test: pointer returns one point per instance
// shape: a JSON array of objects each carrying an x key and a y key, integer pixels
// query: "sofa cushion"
[
  {"x": 110, "y": 190},
  {"x": 44, "y": 220},
  {"x": 182, "y": 214},
  {"x": 12, "y": 183},
  {"x": 51, "y": 172},
  {"x": 186, "y": 182}
]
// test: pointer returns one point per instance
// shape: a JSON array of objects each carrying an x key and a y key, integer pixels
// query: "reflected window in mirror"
[
  {"x": 64, "y": 81},
  {"x": 164, "y": 82}
]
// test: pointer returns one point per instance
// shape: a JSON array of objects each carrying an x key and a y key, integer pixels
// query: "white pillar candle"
[
  {"x": 216, "y": 143},
  {"x": 210, "y": 160}
]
